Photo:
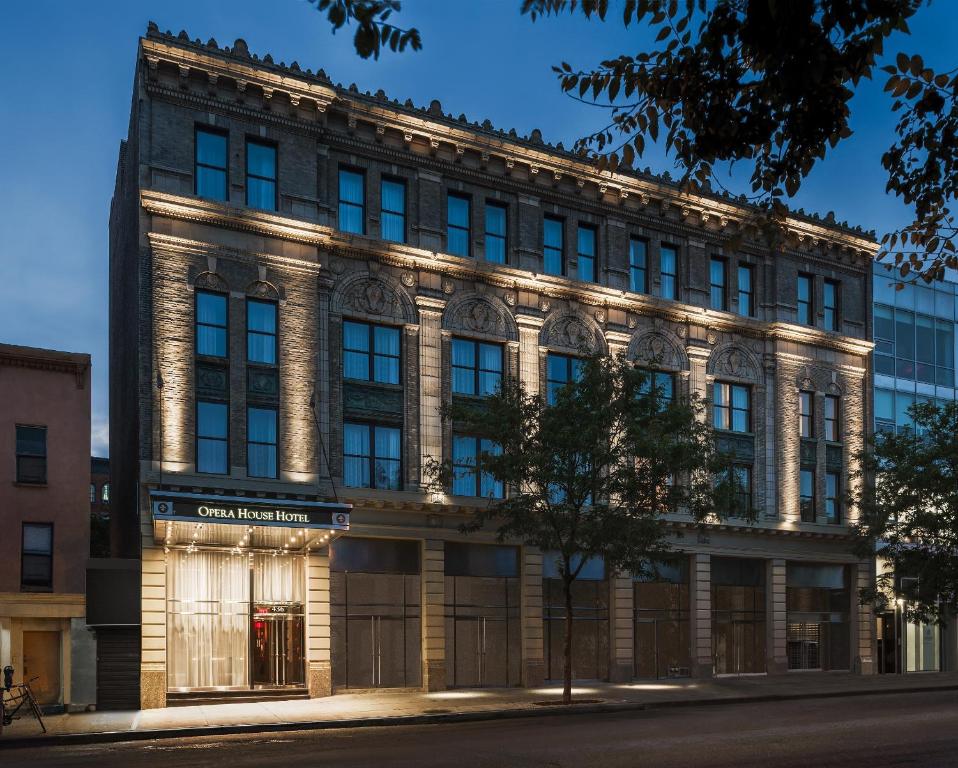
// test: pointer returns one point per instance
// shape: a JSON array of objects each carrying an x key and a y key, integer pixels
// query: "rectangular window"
[
  {"x": 742, "y": 474},
  {"x": 805, "y": 314},
  {"x": 370, "y": 352},
  {"x": 261, "y": 430},
  {"x": 945, "y": 352},
  {"x": 31, "y": 454},
  {"x": 457, "y": 225},
  {"x": 352, "y": 201},
  {"x": 476, "y": 367},
  {"x": 561, "y": 370},
  {"x": 261, "y": 331},
  {"x": 211, "y": 324},
  {"x": 884, "y": 340},
  {"x": 807, "y": 495},
  {"x": 553, "y": 250},
  {"x": 718, "y": 296},
  {"x": 393, "y": 214},
  {"x": 668, "y": 271},
  {"x": 638, "y": 265},
  {"x": 905, "y": 344},
  {"x": 585, "y": 252},
  {"x": 209, "y": 176},
  {"x": 466, "y": 479},
  {"x": 731, "y": 407},
  {"x": 371, "y": 456},
  {"x": 664, "y": 384},
  {"x": 833, "y": 502},
  {"x": 832, "y": 419},
  {"x": 36, "y": 556},
  {"x": 261, "y": 175},
  {"x": 495, "y": 232},
  {"x": 806, "y": 417},
  {"x": 746, "y": 291},
  {"x": 830, "y": 299},
  {"x": 212, "y": 437}
]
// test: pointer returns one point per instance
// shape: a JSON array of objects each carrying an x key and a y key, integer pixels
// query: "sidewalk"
[{"x": 380, "y": 708}]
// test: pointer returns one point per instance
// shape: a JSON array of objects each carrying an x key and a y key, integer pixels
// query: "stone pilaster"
[
  {"x": 623, "y": 628},
  {"x": 863, "y": 621},
  {"x": 318, "y": 658},
  {"x": 776, "y": 650},
  {"x": 533, "y": 656},
  {"x": 529, "y": 328},
  {"x": 153, "y": 628},
  {"x": 700, "y": 590},
  {"x": 430, "y": 380},
  {"x": 433, "y": 615}
]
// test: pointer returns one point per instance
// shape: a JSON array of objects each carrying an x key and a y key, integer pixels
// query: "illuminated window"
[
  {"x": 371, "y": 456},
  {"x": 105, "y": 493},
  {"x": 731, "y": 407}
]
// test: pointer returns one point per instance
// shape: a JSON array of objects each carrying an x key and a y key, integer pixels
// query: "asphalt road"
[{"x": 873, "y": 732}]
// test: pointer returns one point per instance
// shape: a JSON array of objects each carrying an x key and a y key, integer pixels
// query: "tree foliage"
[
  {"x": 910, "y": 513},
  {"x": 373, "y": 30},
  {"x": 596, "y": 473}
]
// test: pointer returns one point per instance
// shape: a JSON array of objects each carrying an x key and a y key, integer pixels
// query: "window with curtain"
[
  {"x": 371, "y": 456},
  {"x": 585, "y": 252},
  {"x": 36, "y": 556},
  {"x": 560, "y": 371},
  {"x": 352, "y": 201},
  {"x": 210, "y": 158},
  {"x": 832, "y": 498},
  {"x": 212, "y": 437},
  {"x": 731, "y": 407},
  {"x": 31, "y": 454},
  {"x": 553, "y": 252},
  {"x": 467, "y": 479},
  {"x": 458, "y": 225},
  {"x": 830, "y": 298},
  {"x": 370, "y": 352},
  {"x": 261, "y": 431},
  {"x": 495, "y": 240},
  {"x": 806, "y": 315},
  {"x": 106, "y": 493},
  {"x": 668, "y": 271},
  {"x": 638, "y": 265},
  {"x": 746, "y": 291},
  {"x": 807, "y": 494},
  {"x": 393, "y": 215},
  {"x": 211, "y": 324},
  {"x": 832, "y": 419},
  {"x": 476, "y": 367},
  {"x": 718, "y": 297},
  {"x": 261, "y": 175},
  {"x": 806, "y": 416},
  {"x": 261, "y": 331}
]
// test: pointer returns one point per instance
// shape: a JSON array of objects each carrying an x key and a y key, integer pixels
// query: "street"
[{"x": 874, "y": 731}]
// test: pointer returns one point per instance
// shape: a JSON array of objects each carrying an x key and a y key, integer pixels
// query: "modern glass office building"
[{"x": 916, "y": 344}]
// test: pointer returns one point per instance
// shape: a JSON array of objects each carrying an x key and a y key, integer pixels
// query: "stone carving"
[
  {"x": 574, "y": 332},
  {"x": 735, "y": 362},
  {"x": 372, "y": 295},
  {"x": 481, "y": 314},
  {"x": 408, "y": 279},
  {"x": 338, "y": 267},
  {"x": 372, "y": 400},
  {"x": 448, "y": 287},
  {"x": 544, "y": 305},
  {"x": 656, "y": 347},
  {"x": 510, "y": 298},
  {"x": 211, "y": 282},
  {"x": 600, "y": 315},
  {"x": 211, "y": 380},
  {"x": 263, "y": 290},
  {"x": 263, "y": 382}
]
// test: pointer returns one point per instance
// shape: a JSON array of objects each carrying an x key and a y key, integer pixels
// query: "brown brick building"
[
  {"x": 44, "y": 459},
  {"x": 301, "y": 274}
]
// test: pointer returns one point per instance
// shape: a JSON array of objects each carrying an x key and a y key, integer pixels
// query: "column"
[
  {"x": 623, "y": 627},
  {"x": 530, "y": 607},
  {"x": 776, "y": 651},
  {"x": 863, "y": 621},
  {"x": 430, "y": 380},
  {"x": 788, "y": 442},
  {"x": 529, "y": 328},
  {"x": 153, "y": 628},
  {"x": 698, "y": 358},
  {"x": 700, "y": 589},
  {"x": 319, "y": 661},
  {"x": 433, "y": 615}
]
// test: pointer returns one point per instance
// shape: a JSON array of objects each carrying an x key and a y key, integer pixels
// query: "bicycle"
[{"x": 14, "y": 697}]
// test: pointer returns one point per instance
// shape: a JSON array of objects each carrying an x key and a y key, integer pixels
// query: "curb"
[{"x": 111, "y": 737}]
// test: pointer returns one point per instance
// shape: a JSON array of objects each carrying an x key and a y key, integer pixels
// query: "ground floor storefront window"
[
  {"x": 922, "y": 647},
  {"x": 818, "y": 603},
  {"x": 234, "y": 620},
  {"x": 738, "y": 616},
  {"x": 661, "y": 604},
  {"x": 590, "y": 621}
]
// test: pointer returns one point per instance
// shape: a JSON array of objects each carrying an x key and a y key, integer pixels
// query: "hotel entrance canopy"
[{"x": 211, "y": 520}]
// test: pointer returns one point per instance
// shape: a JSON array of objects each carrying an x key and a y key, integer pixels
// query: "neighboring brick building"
[
  {"x": 100, "y": 487},
  {"x": 301, "y": 274},
  {"x": 44, "y": 462}
]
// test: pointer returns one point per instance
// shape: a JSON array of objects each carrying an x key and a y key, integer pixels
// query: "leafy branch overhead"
[{"x": 373, "y": 30}]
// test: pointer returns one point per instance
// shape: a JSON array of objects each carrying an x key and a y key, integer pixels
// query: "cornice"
[
  {"x": 333, "y": 243},
  {"x": 76, "y": 363}
]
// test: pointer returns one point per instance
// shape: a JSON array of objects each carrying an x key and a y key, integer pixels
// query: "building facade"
[
  {"x": 44, "y": 455},
  {"x": 916, "y": 343},
  {"x": 303, "y": 274},
  {"x": 100, "y": 487}
]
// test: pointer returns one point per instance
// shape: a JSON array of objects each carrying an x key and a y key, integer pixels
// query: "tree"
[
  {"x": 595, "y": 473},
  {"x": 768, "y": 84},
  {"x": 909, "y": 514}
]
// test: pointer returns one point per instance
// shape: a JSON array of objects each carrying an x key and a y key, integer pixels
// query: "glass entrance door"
[{"x": 277, "y": 639}]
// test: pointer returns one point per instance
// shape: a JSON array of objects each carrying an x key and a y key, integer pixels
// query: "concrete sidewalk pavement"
[{"x": 409, "y": 707}]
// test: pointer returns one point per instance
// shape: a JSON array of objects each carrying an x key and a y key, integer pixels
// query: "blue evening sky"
[{"x": 69, "y": 69}]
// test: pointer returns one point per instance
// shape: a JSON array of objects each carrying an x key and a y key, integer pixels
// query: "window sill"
[
  {"x": 34, "y": 590},
  {"x": 29, "y": 484}
]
